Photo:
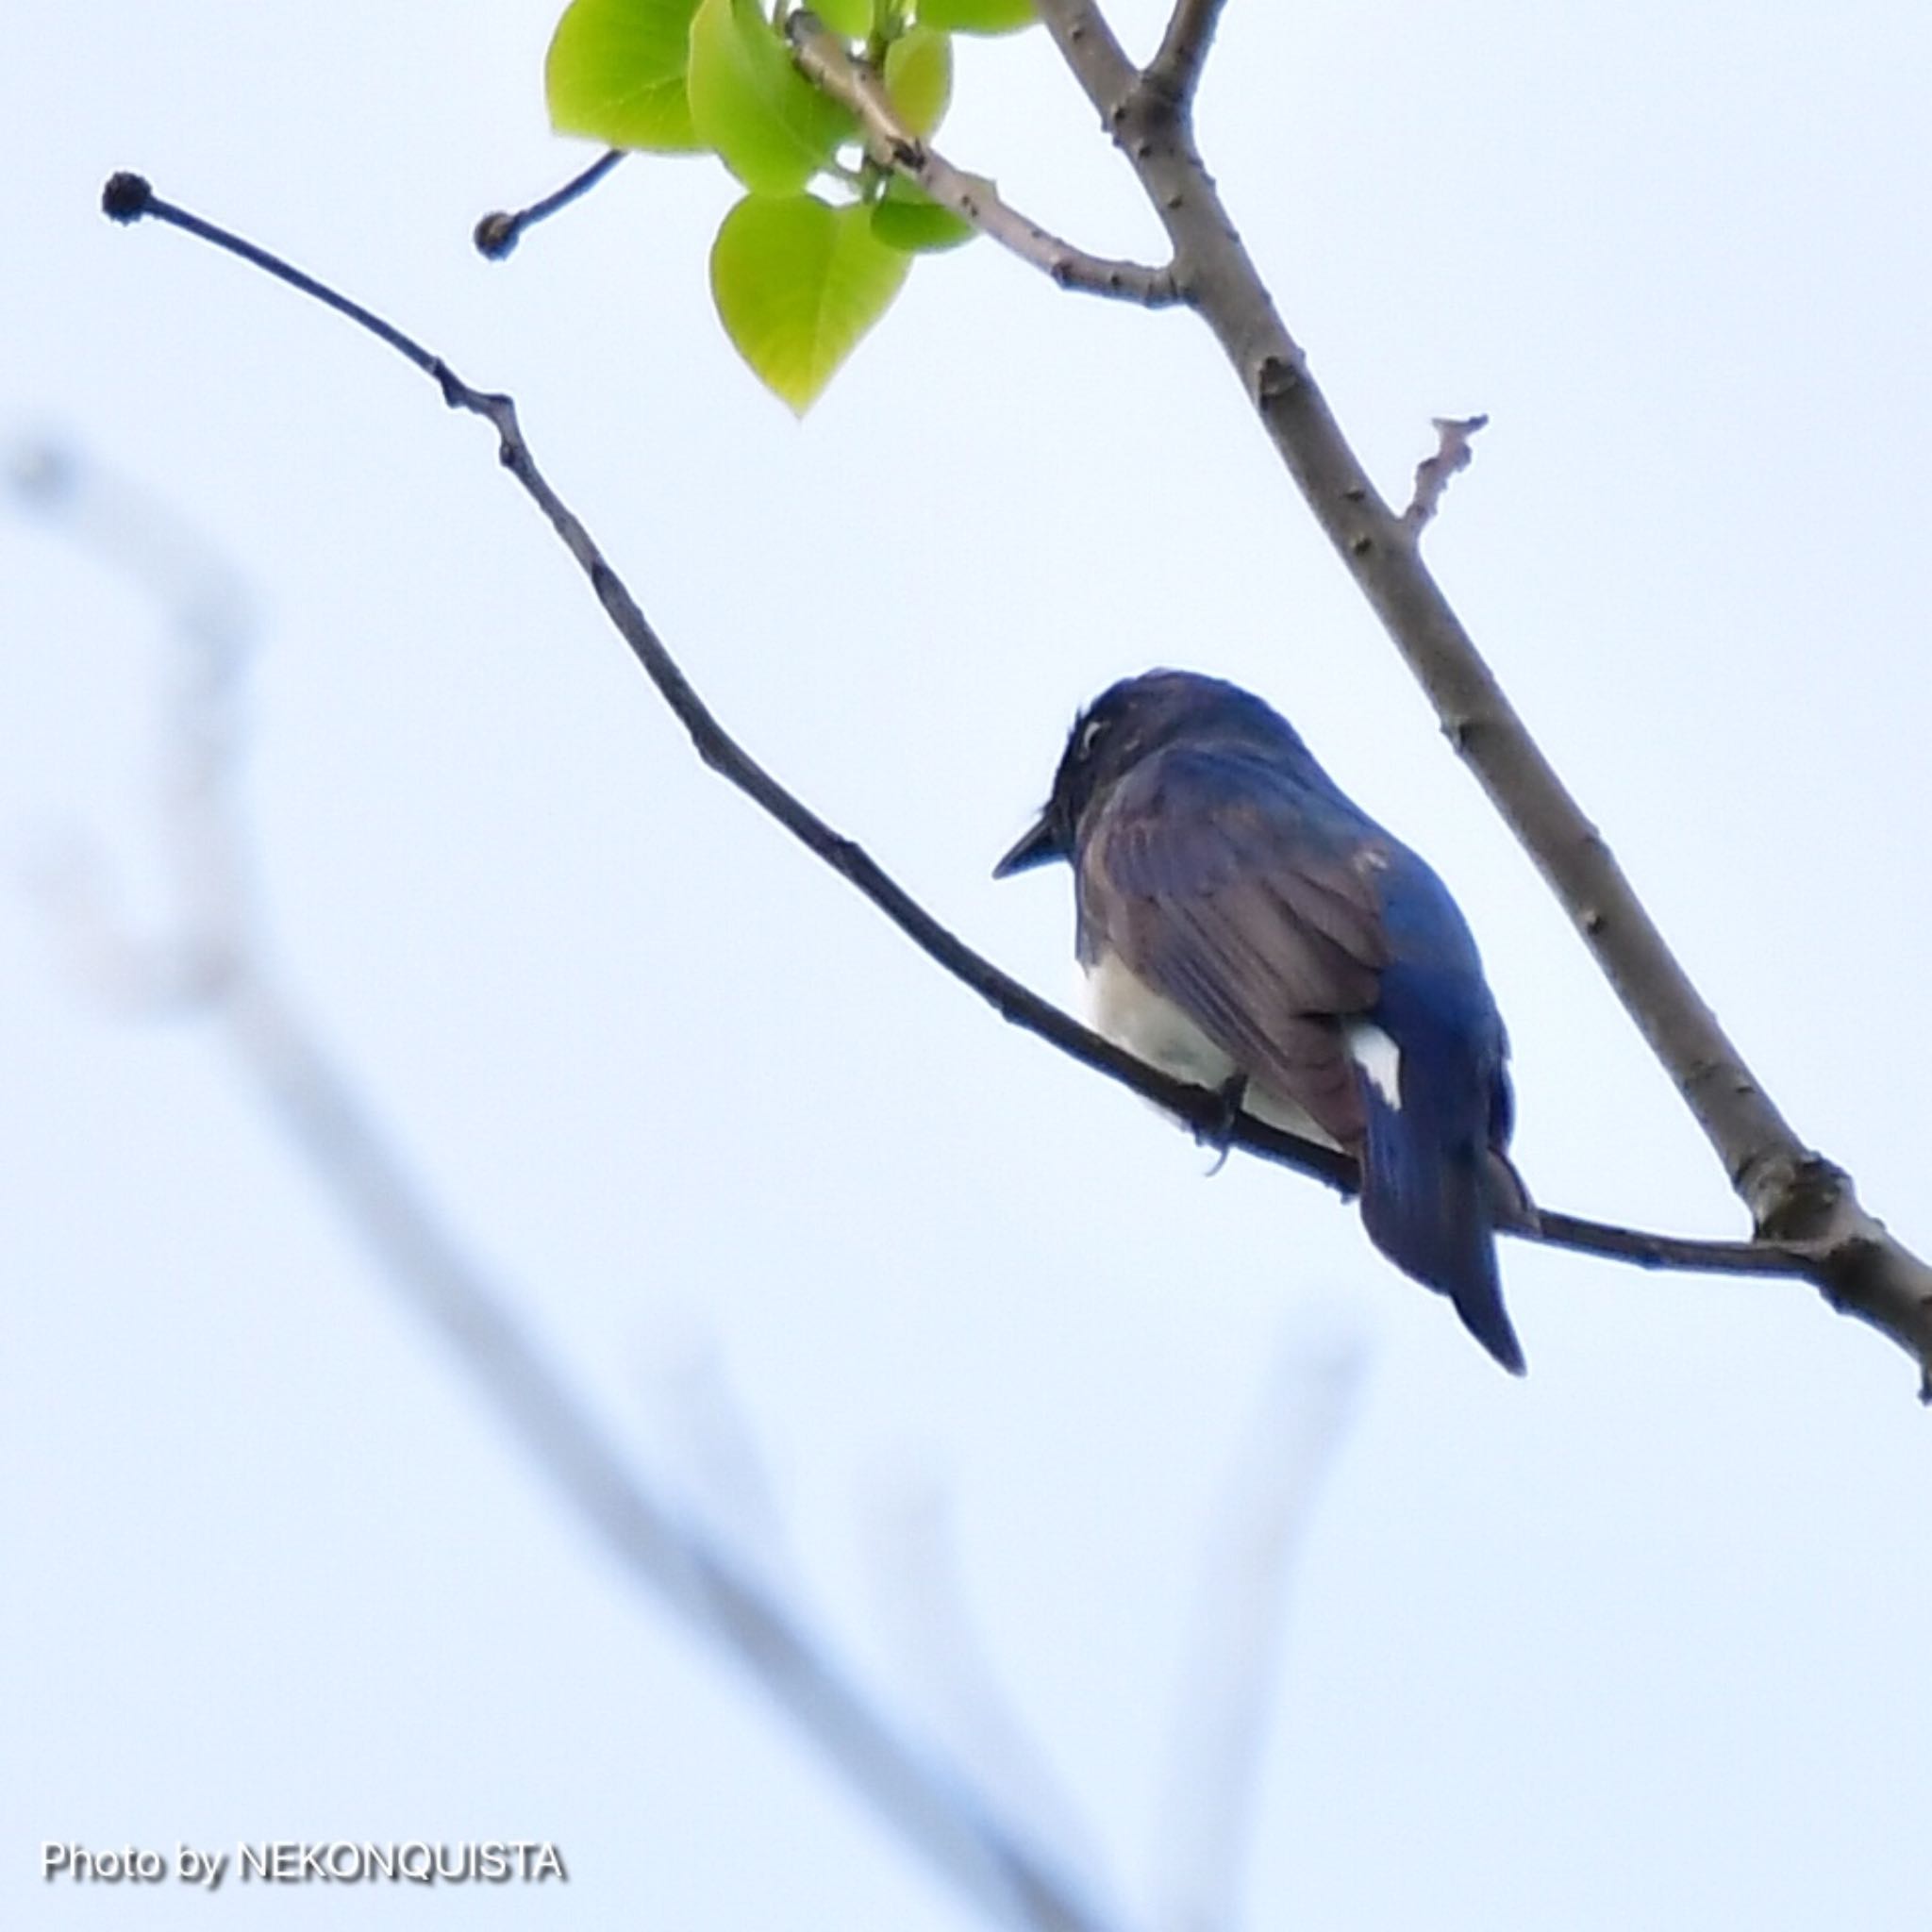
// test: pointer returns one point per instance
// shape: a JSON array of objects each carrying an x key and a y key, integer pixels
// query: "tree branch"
[
  {"x": 1175, "y": 68},
  {"x": 128, "y": 197},
  {"x": 1794, "y": 1196},
  {"x": 497, "y": 233},
  {"x": 1093, "y": 52},
  {"x": 1454, "y": 452},
  {"x": 826, "y": 61}
]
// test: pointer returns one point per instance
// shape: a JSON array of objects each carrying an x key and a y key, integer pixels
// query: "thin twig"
[
  {"x": 127, "y": 197},
  {"x": 997, "y": 1857},
  {"x": 1680, "y": 1254},
  {"x": 1454, "y": 452},
  {"x": 828, "y": 64},
  {"x": 1175, "y": 68},
  {"x": 497, "y": 233},
  {"x": 1795, "y": 1196}
]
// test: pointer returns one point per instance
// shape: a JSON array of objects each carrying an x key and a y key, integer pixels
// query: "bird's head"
[{"x": 1123, "y": 725}]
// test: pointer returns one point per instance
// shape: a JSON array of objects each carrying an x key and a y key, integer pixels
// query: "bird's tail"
[{"x": 1427, "y": 1205}]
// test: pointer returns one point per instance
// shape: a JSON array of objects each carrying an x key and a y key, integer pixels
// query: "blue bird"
[{"x": 1244, "y": 925}]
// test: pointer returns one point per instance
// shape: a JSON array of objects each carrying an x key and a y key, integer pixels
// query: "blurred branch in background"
[
  {"x": 216, "y": 966},
  {"x": 211, "y": 620}
]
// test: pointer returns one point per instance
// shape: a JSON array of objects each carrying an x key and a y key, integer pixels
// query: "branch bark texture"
[{"x": 1175, "y": 68}]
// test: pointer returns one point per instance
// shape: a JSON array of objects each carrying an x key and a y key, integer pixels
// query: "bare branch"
[
  {"x": 128, "y": 197},
  {"x": 997, "y": 1859},
  {"x": 1454, "y": 452},
  {"x": 1795, "y": 1196},
  {"x": 827, "y": 63},
  {"x": 1175, "y": 68},
  {"x": 1681, "y": 1254},
  {"x": 497, "y": 233}
]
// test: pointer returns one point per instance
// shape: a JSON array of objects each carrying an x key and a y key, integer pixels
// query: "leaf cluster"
[{"x": 824, "y": 237}]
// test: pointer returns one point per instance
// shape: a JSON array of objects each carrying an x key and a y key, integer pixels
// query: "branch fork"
[{"x": 828, "y": 63}]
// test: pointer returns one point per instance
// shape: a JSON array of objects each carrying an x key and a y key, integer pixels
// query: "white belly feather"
[{"x": 1131, "y": 1014}]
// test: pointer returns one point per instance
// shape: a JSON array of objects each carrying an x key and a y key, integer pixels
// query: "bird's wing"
[{"x": 1251, "y": 902}]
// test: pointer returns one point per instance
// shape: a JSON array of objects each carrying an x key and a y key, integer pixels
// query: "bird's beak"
[{"x": 1038, "y": 845}]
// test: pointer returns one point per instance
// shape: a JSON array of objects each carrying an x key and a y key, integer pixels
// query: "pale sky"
[{"x": 1638, "y": 1643}]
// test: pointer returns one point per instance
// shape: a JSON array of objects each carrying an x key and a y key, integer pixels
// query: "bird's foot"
[{"x": 1219, "y": 1134}]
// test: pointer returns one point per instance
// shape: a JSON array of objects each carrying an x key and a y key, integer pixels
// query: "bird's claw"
[{"x": 1220, "y": 1134}]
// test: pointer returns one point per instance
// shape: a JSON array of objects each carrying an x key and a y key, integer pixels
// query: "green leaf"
[
  {"x": 773, "y": 127},
  {"x": 851, "y": 18},
  {"x": 919, "y": 78},
  {"x": 615, "y": 72},
  {"x": 908, "y": 218},
  {"x": 977, "y": 16},
  {"x": 797, "y": 283}
]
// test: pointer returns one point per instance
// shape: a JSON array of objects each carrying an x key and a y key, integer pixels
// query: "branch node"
[
  {"x": 497, "y": 233},
  {"x": 1453, "y": 454},
  {"x": 126, "y": 197},
  {"x": 1276, "y": 378},
  {"x": 1802, "y": 1203}
]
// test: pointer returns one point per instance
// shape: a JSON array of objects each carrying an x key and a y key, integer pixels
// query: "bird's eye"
[{"x": 1090, "y": 736}]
